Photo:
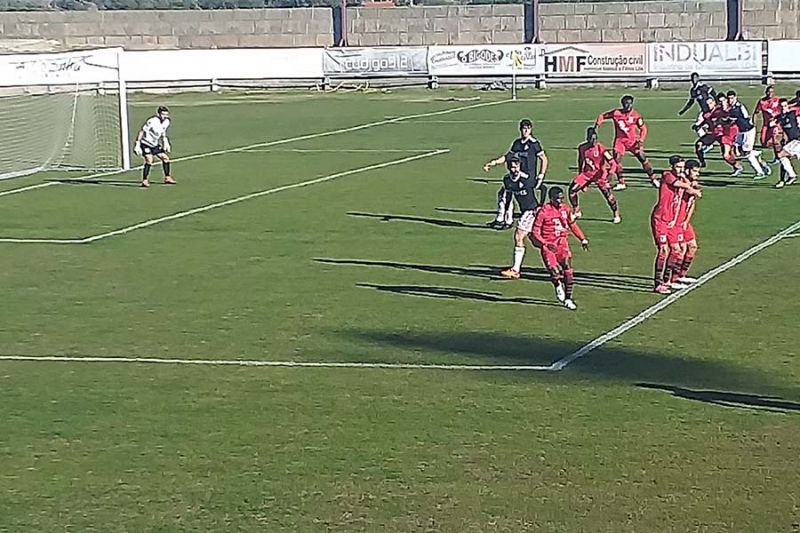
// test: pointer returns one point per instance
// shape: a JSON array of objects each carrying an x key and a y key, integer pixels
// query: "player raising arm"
[
  {"x": 788, "y": 122},
  {"x": 152, "y": 141},
  {"x": 550, "y": 233},
  {"x": 521, "y": 187},
  {"x": 664, "y": 222},
  {"x": 698, "y": 92},
  {"x": 533, "y": 163},
  {"x": 595, "y": 163},
  {"x": 626, "y": 122}
]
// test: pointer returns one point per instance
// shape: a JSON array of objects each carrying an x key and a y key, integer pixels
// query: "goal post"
[{"x": 64, "y": 111}]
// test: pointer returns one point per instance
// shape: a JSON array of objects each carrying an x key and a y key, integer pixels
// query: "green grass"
[{"x": 665, "y": 429}]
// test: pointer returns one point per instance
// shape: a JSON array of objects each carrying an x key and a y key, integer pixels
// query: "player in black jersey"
[
  {"x": 788, "y": 122},
  {"x": 698, "y": 92},
  {"x": 745, "y": 139},
  {"x": 531, "y": 155},
  {"x": 521, "y": 187}
]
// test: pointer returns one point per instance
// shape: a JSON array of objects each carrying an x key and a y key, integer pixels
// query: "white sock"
[
  {"x": 519, "y": 254},
  {"x": 510, "y": 212},
  {"x": 787, "y": 166},
  {"x": 502, "y": 206},
  {"x": 752, "y": 158}
]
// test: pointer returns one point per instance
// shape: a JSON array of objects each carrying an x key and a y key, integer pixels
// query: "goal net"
[{"x": 62, "y": 112}]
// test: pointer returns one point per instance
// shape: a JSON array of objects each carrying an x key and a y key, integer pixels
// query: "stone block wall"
[
  {"x": 615, "y": 22},
  {"x": 372, "y": 26},
  {"x": 772, "y": 19},
  {"x": 141, "y": 30}
]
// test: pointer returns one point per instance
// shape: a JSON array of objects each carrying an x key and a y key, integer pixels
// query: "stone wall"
[
  {"x": 501, "y": 24},
  {"x": 139, "y": 30},
  {"x": 671, "y": 20},
  {"x": 613, "y": 22},
  {"x": 772, "y": 19}
]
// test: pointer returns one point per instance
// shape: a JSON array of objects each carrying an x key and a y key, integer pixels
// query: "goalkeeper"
[{"x": 152, "y": 141}]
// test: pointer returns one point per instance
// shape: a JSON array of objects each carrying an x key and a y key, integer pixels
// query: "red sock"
[
  {"x": 555, "y": 279},
  {"x": 569, "y": 281},
  {"x": 687, "y": 263},
  {"x": 674, "y": 262},
  {"x": 648, "y": 168},
  {"x": 658, "y": 273},
  {"x": 612, "y": 202}
]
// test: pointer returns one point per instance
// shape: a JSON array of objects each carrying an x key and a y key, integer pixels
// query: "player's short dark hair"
[
  {"x": 525, "y": 123},
  {"x": 591, "y": 130},
  {"x": 674, "y": 160},
  {"x": 692, "y": 163},
  {"x": 555, "y": 191},
  {"x": 782, "y": 100},
  {"x": 731, "y": 93},
  {"x": 514, "y": 158},
  {"x": 626, "y": 97},
  {"x": 695, "y": 75},
  {"x": 163, "y": 108}
]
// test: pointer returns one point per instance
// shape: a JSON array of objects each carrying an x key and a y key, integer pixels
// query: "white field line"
[
  {"x": 558, "y": 365},
  {"x": 672, "y": 298},
  {"x": 231, "y": 201},
  {"x": 792, "y": 236},
  {"x": 240, "y": 362},
  {"x": 269, "y": 143},
  {"x": 553, "y": 121},
  {"x": 343, "y": 150}
]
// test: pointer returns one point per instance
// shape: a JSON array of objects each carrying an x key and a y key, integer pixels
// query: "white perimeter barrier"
[{"x": 725, "y": 59}]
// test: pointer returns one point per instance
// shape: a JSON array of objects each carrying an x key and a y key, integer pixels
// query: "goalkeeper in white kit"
[{"x": 152, "y": 141}]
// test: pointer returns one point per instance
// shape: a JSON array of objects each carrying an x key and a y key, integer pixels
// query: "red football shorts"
[
  {"x": 599, "y": 178},
  {"x": 660, "y": 231},
  {"x": 553, "y": 259},
  {"x": 729, "y": 136},
  {"x": 622, "y": 145},
  {"x": 688, "y": 233},
  {"x": 768, "y": 136},
  {"x": 675, "y": 235}
]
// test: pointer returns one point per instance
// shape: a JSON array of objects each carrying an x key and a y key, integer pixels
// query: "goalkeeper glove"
[
  {"x": 165, "y": 145},
  {"x": 137, "y": 149}
]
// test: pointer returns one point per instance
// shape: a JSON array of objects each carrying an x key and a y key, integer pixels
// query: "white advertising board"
[
  {"x": 717, "y": 58},
  {"x": 593, "y": 59},
  {"x": 89, "y": 66},
  {"x": 783, "y": 56},
  {"x": 230, "y": 64},
  {"x": 484, "y": 60}
]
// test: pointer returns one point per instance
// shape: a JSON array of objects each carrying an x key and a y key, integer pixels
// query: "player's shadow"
[
  {"x": 468, "y": 211},
  {"x": 89, "y": 181},
  {"x": 600, "y": 280},
  {"x": 726, "y": 399},
  {"x": 696, "y": 378},
  {"x": 456, "y": 293},
  {"x": 440, "y": 222}
]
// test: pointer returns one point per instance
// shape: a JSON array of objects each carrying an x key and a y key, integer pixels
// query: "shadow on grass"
[
  {"x": 441, "y": 222},
  {"x": 111, "y": 183},
  {"x": 601, "y": 280},
  {"x": 456, "y": 293},
  {"x": 716, "y": 382}
]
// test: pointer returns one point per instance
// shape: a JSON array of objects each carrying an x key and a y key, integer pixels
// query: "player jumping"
[
  {"x": 663, "y": 222},
  {"x": 530, "y": 152},
  {"x": 550, "y": 233},
  {"x": 152, "y": 141},
  {"x": 521, "y": 187},
  {"x": 626, "y": 122},
  {"x": 698, "y": 92},
  {"x": 595, "y": 163},
  {"x": 788, "y": 122}
]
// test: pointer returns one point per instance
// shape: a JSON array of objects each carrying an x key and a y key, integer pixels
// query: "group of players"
[{"x": 548, "y": 220}]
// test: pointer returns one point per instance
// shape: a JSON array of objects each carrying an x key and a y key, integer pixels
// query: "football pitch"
[{"x": 309, "y": 332}]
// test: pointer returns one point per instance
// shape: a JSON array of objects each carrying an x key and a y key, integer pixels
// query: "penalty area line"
[
  {"x": 231, "y": 201},
  {"x": 672, "y": 298},
  {"x": 288, "y": 364}
]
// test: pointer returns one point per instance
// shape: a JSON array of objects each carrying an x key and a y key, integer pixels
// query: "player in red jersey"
[
  {"x": 595, "y": 163},
  {"x": 626, "y": 122},
  {"x": 680, "y": 280},
  {"x": 664, "y": 219},
  {"x": 721, "y": 128},
  {"x": 770, "y": 107},
  {"x": 550, "y": 232}
]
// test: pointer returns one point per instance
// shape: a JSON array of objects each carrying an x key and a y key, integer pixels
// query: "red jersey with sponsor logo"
[
  {"x": 716, "y": 120},
  {"x": 686, "y": 203},
  {"x": 591, "y": 159},
  {"x": 769, "y": 108},
  {"x": 553, "y": 224},
  {"x": 625, "y": 124},
  {"x": 669, "y": 198}
]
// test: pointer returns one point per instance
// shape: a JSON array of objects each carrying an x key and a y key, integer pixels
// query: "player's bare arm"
[
  {"x": 543, "y": 161},
  {"x": 578, "y": 232},
  {"x": 687, "y": 106},
  {"x": 494, "y": 162}
]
